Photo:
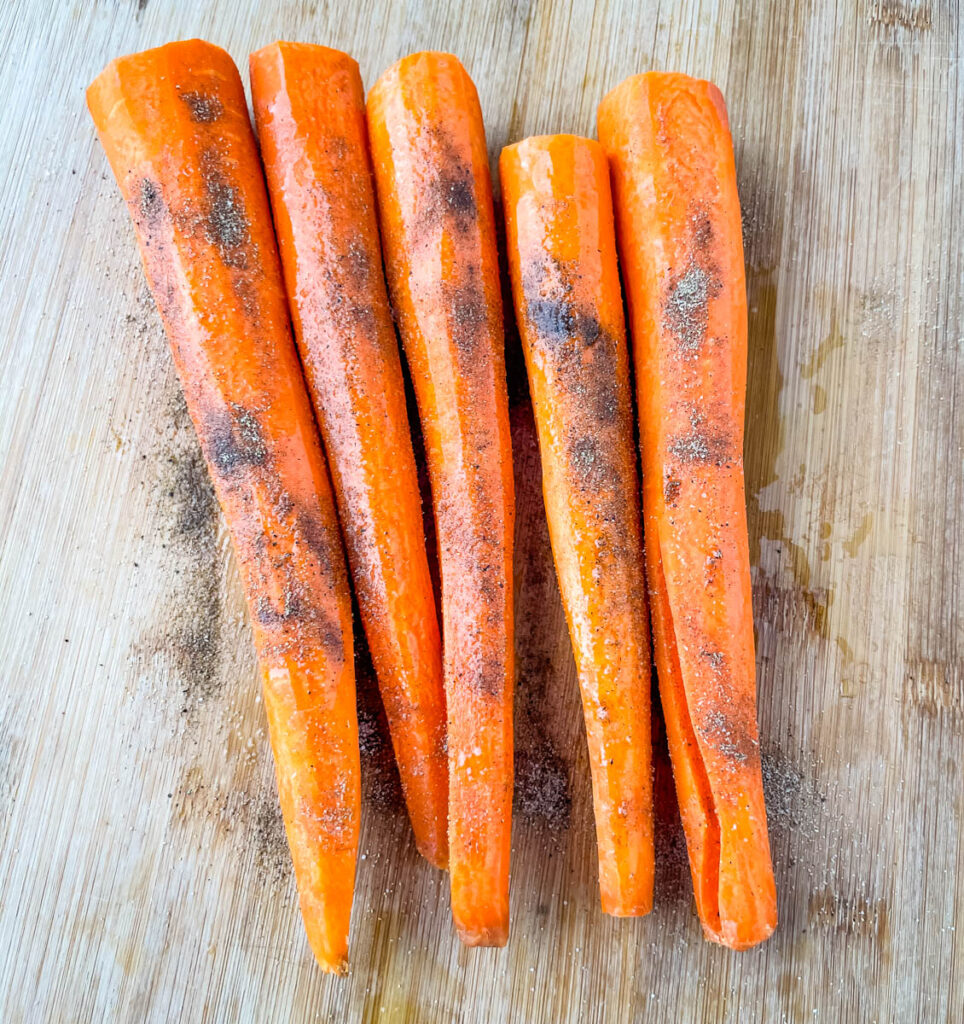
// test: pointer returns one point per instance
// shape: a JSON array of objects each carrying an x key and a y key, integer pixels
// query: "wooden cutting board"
[{"x": 143, "y": 870}]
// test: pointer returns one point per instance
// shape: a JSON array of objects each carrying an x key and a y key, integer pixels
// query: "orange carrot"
[
  {"x": 438, "y": 231},
  {"x": 174, "y": 124},
  {"x": 310, "y": 111},
  {"x": 678, "y": 217},
  {"x": 565, "y": 282}
]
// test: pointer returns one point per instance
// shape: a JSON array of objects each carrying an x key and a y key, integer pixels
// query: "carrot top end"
[{"x": 317, "y": 52}]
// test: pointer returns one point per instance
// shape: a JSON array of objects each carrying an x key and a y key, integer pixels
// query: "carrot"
[
  {"x": 438, "y": 231},
  {"x": 310, "y": 112},
  {"x": 678, "y": 220},
  {"x": 174, "y": 124},
  {"x": 562, "y": 259}
]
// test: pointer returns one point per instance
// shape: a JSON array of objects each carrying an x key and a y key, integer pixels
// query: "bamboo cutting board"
[{"x": 143, "y": 870}]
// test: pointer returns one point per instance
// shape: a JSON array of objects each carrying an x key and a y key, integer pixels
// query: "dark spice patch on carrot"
[
  {"x": 715, "y": 659},
  {"x": 455, "y": 187},
  {"x": 551, "y": 310},
  {"x": 284, "y": 505},
  {"x": 597, "y": 390},
  {"x": 318, "y": 539},
  {"x": 225, "y": 221},
  {"x": 358, "y": 262},
  {"x": 246, "y": 291},
  {"x": 588, "y": 329},
  {"x": 488, "y": 677},
  {"x": 363, "y": 316},
  {"x": 685, "y": 309},
  {"x": 713, "y": 567},
  {"x": 589, "y": 462},
  {"x": 235, "y": 440},
  {"x": 699, "y": 445},
  {"x": 293, "y": 607},
  {"x": 702, "y": 227},
  {"x": 671, "y": 489},
  {"x": 308, "y": 614},
  {"x": 151, "y": 203},
  {"x": 553, "y": 319},
  {"x": 729, "y": 734},
  {"x": 204, "y": 109},
  {"x": 468, "y": 317}
]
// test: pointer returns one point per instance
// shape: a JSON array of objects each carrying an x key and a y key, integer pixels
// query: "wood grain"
[{"x": 142, "y": 863}]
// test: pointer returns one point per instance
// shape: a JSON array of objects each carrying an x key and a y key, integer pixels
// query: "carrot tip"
[
  {"x": 495, "y": 936},
  {"x": 333, "y": 966},
  {"x": 739, "y": 941},
  {"x": 627, "y": 910},
  {"x": 331, "y": 961},
  {"x": 436, "y": 858}
]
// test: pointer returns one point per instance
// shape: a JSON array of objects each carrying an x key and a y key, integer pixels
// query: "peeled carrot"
[
  {"x": 678, "y": 219},
  {"x": 174, "y": 124},
  {"x": 310, "y": 112},
  {"x": 565, "y": 283},
  {"x": 438, "y": 231}
]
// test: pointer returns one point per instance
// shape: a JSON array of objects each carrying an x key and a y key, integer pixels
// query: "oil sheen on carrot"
[
  {"x": 565, "y": 282},
  {"x": 310, "y": 112},
  {"x": 678, "y": 219},
  {"x": 174, "y": 124},
  {"x": 438, "y": 233}
]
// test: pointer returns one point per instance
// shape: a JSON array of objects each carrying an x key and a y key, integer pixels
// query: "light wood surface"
[{"x": 143, "y": 871}]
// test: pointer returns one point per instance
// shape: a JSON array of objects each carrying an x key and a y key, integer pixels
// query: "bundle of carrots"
[{"x": 276, "y": 306}]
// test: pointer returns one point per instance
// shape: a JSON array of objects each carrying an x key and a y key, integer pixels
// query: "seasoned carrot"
[
  {"x": 310, "y": 111},
  {"x": 174, "y": 124},
  {"x": 565, "y": 283},
  {"x": 438, "y": 231},
  {"x": 678, "y": 219}
]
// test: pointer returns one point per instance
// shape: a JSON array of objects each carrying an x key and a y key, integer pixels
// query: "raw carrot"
[
  {"x": 310, "y": 112},
  {"x": 678, "y": 219},
  {"x": 174, "y": 124},
  {"x": 565, "y": 283},
  {"x": 438, "y": 232}
]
